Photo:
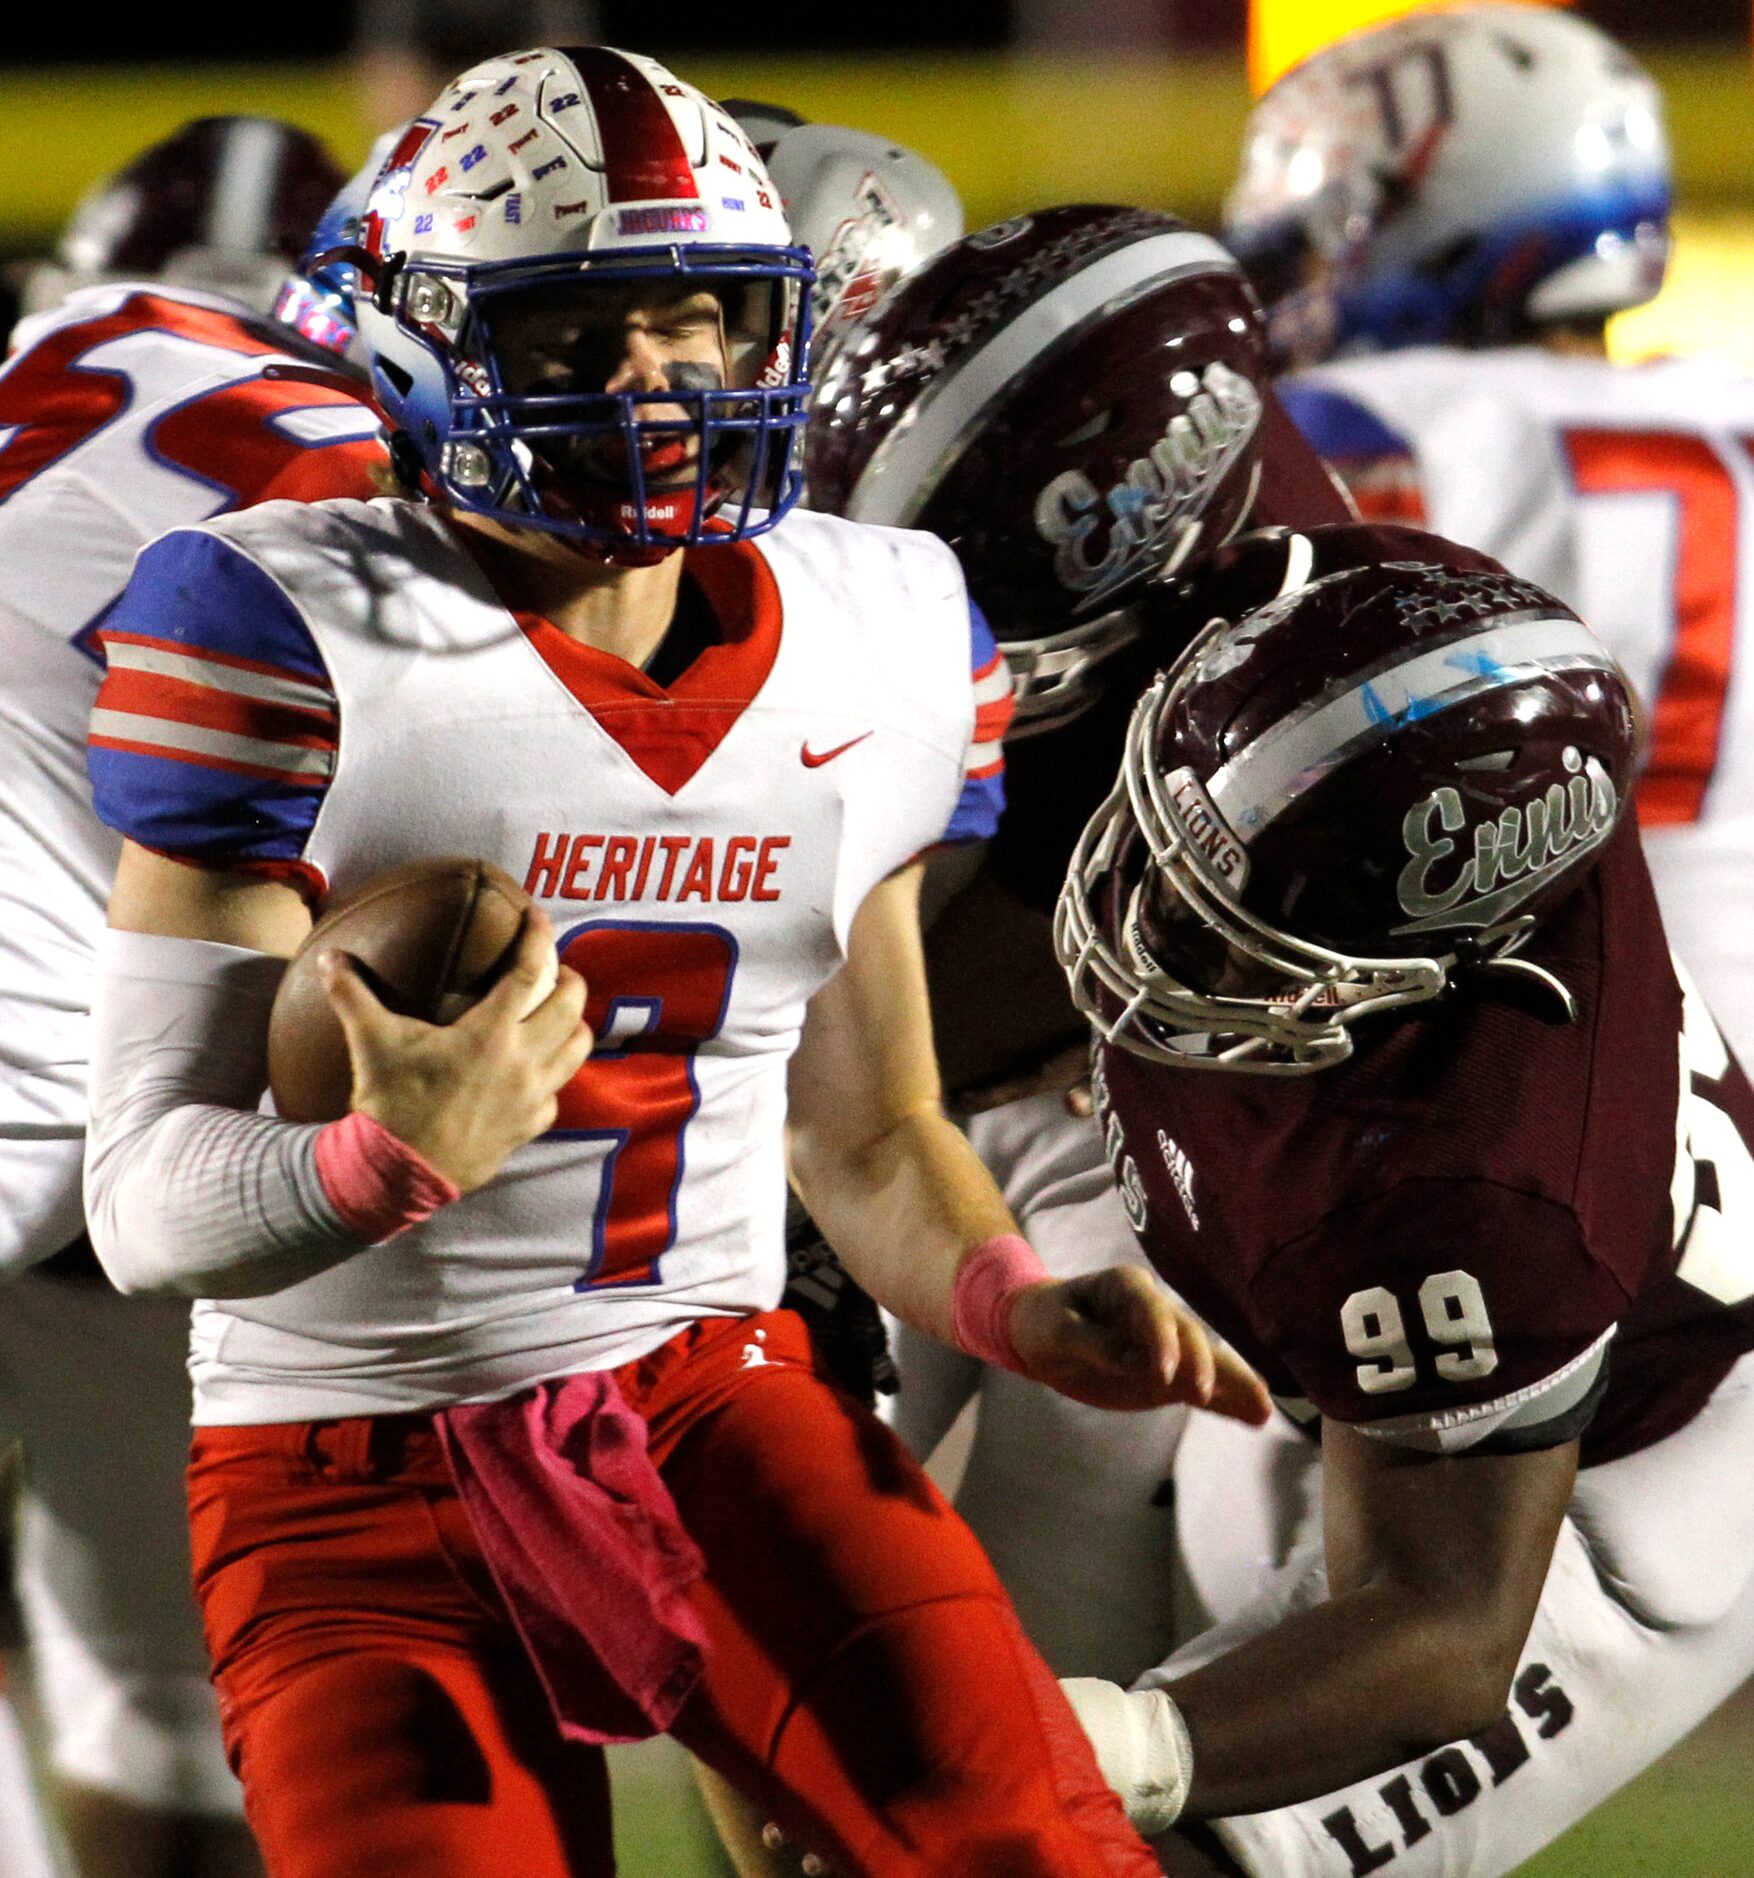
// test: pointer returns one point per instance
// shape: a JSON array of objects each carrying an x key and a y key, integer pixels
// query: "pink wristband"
[
  {"x": 987, "y": 1283},
  {"x": 377, "y": 1183}
]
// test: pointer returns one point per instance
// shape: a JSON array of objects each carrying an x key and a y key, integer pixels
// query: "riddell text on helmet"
[{"x": 631, "y": 868}]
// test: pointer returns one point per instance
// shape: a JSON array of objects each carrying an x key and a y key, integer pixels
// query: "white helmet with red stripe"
[{"x": 548, "y": 198}]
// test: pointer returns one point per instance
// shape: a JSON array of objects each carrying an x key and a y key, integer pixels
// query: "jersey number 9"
[{"x": 654, "y": 994}]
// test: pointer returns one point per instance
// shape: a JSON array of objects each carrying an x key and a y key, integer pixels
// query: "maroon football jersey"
[{"x": 1446, "y": 1235}]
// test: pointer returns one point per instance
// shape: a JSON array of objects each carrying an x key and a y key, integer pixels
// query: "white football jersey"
[
  {"x": 124, "y": 411},
  {"x": 1431, "y": 438},
  {"x": 325, "y": 692},
  {"x": 1629, "y": 491}
]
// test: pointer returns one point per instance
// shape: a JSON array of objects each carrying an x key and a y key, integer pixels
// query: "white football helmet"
[
  {"x": 868, "y": 210},
  {"x": 513, "y": 229},
  {"x": 1461, "y": 177}
]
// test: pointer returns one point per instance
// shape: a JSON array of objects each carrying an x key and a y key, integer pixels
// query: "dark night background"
[{"x": 160, "y": 34}]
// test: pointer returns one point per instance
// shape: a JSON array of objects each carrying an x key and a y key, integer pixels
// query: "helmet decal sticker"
[
  {"x": 646, "y": 158},
  {"x": 1210, "y": 843},
  {"x": 1002, "y": 332},
  {"x": 1300, "y": 751},
  {"x": 1414, "y": 94},
  {"x": 1158, "y": 493},
  {"x": 1074, "y": 409},
  {"x": 849, "y": 267},
  {"x": 1514, "y": 852}
]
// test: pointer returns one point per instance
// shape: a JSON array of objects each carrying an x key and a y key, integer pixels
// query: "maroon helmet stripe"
[{"x": 643, "y": 157}]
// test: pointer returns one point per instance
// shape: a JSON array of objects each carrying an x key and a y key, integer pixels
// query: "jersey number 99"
[{"x": 1454, "y": 1309}]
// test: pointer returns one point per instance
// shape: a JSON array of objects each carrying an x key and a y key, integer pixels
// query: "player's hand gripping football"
[
  {"x": 465, "y": 1095},
  {"x": 1112, "y": 1339}
]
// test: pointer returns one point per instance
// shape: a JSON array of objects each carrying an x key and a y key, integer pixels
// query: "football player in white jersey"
[
  {"x": 501, "y": 1450},
  {"x": 1461, "y": 200},
  {"x": 147, "y": 390}
]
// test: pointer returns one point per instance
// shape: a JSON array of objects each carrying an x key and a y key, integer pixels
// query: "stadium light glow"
[{"x": 1283, "y": 33}]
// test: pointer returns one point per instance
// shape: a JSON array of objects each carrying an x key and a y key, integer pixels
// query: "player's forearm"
[
  {"x": 211, "y": 1202},
  {"x": 902, "y": 1210},
  {"x": 1335, "y": 1694},
  {"x": 189, "y": 1191}
]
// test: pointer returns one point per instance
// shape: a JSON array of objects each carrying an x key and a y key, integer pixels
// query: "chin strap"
[
  {"x": 670, "y": 517},
  {"x": 1520, "y": 982}
]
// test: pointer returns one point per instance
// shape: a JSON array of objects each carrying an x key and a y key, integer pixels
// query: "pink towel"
[{"x": 585, "y": 1544}]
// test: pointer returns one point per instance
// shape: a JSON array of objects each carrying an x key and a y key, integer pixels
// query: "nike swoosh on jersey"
[{"x": 814, "y": 759}]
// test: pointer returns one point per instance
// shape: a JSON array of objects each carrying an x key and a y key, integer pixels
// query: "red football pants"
[{"x": 869, "y": 1686}]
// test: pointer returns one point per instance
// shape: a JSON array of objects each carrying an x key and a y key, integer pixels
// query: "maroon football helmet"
[
  {"x": 1073, "y": 401},
  {"x": 1266, "y": 564},
  {"x": 225, "y": 203},
  {"x": 1329, "y": 803}
]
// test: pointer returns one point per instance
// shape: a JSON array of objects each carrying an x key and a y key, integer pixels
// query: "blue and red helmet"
[{"x": 1461, "y": 177}]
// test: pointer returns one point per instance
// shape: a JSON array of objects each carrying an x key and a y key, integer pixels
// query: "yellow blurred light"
[{"x": 1283, "y": 33}]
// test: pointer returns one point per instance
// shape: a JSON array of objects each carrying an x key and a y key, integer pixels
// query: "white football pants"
[{"x": 1646, "y": 1624}]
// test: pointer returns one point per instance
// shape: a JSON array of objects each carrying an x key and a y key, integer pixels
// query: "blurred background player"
[
  {"x": 148, "y": 390},
  {"x": 1463, "y": 201},
  {"x": 869, "y": 210}
]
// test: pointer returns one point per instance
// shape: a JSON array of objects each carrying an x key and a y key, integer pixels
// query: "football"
[{"x": 430, "y": 939}]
